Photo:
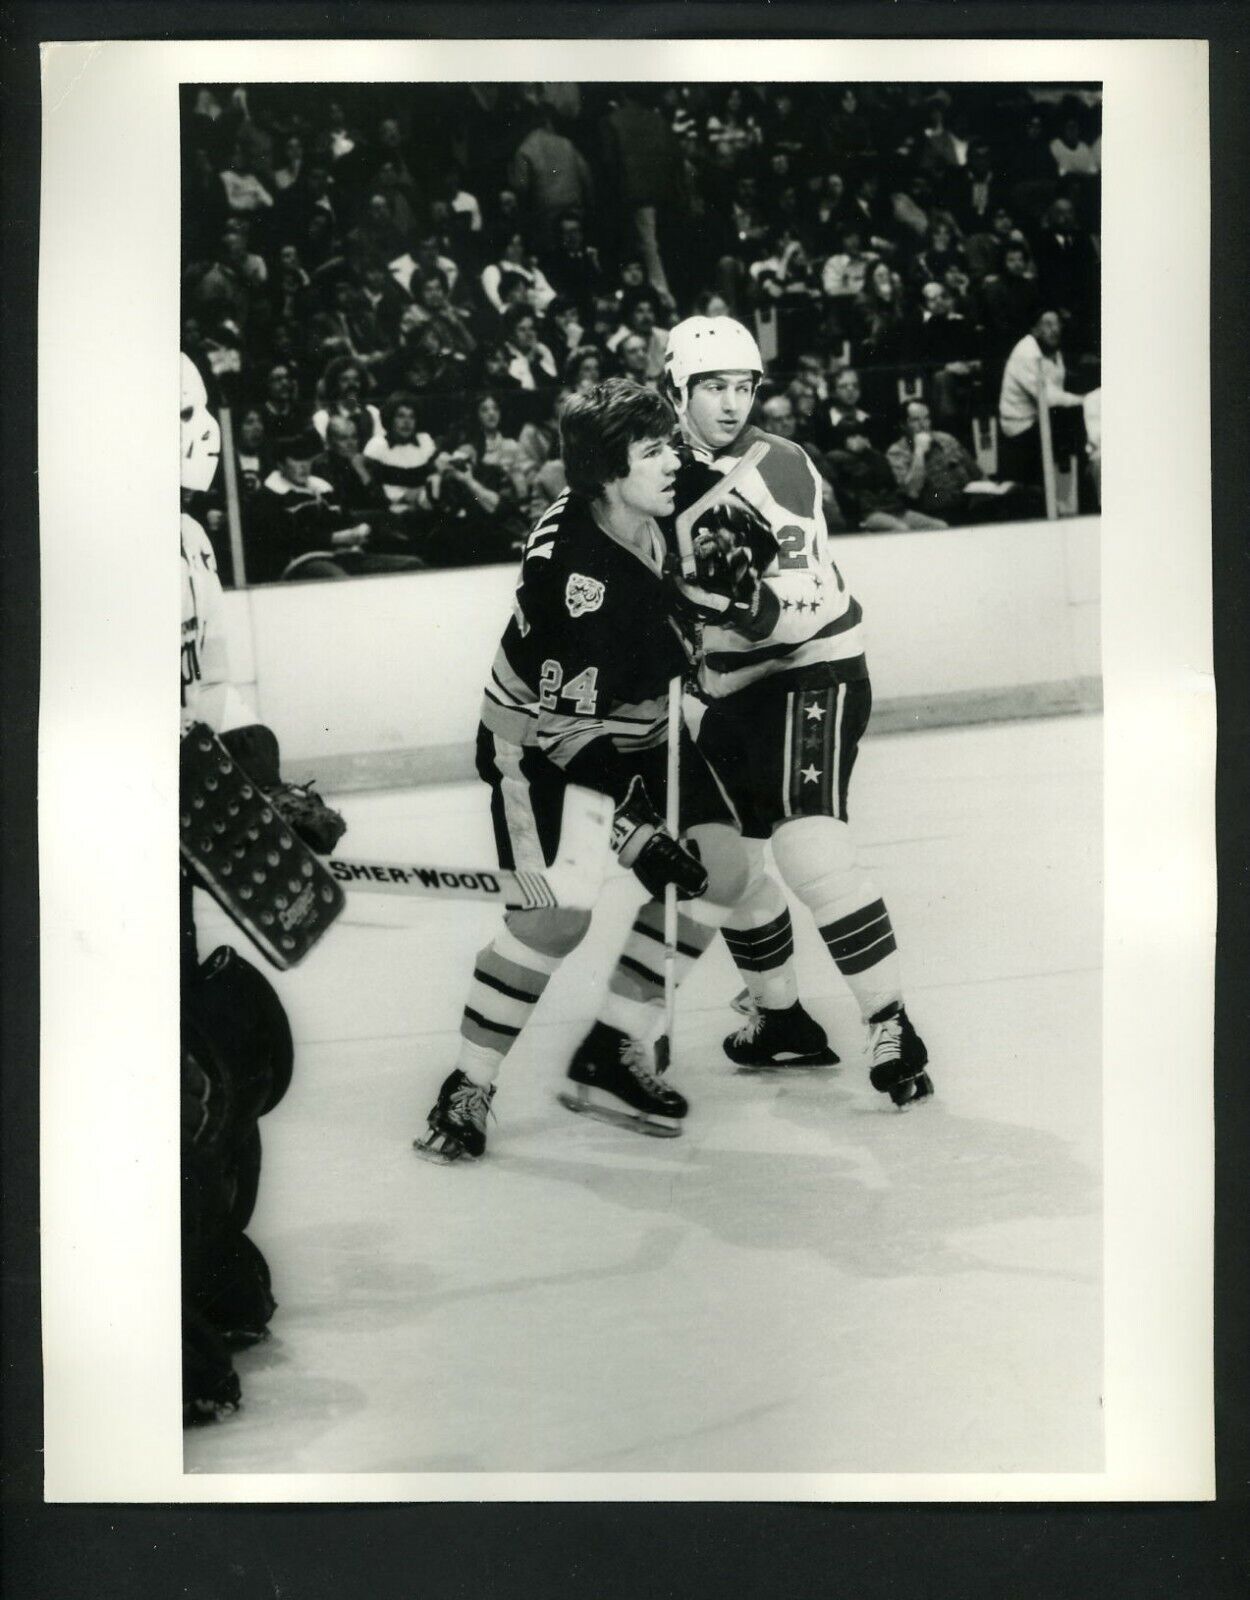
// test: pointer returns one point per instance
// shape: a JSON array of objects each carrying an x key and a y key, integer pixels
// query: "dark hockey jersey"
[{"x": 583, "y": 668}]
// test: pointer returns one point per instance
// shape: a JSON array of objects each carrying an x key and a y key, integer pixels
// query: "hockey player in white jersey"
[{"x": 786, "y": 701}]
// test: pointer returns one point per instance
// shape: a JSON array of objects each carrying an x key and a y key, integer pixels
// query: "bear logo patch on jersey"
[{"x": 582, "y": 594}]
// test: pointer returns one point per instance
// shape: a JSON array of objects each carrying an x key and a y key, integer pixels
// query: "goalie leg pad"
[{"x": 235, "y": 844}]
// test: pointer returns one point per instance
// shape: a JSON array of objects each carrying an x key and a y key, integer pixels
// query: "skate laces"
[
  {"x": 634, "y": 1055},
  {"x": 749, "y": 1032},
  {"x": 887, "y": 1041},
  {"x": 470, "y": 1103}
]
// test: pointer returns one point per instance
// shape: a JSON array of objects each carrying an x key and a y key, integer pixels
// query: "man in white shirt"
[{"x": 1034, "y": 363}]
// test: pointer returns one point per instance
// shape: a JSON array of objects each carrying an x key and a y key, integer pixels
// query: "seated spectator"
[
  {"x": 634, "y": 356},
  {"x": 476, "y": 516},
  {"x": 1010, "y": 301},
  {"x": 385, "y": 300},
  {"x": 292, "y": 287},
  {"x": 378, "y": 236},
  {"x": 289, "y": 172},
  {"x": 298, "y": 529},
  {"x": 978, "y": 191},
  {"x": 573, "y": 266},
  {"x": 984, "y": 250},
  {"x": 846, "y": 272},
  {"x": 493, "y": 374},
  {"x": 252, "y": 455},
  {"x": 347, "y": 328},
  {"x": 516, "y": 258},
  {"x": 563, "y": 329},
  {"x": 939, "y": 477},
  {"x": 529, "y": 362},
  {"x": 946, "y": 345},
  {"x": 1034, "y": 361},
  {"x": 733, "y": 126},
  {"x": 401, "y": 458},
  {"x": 424, "y": 368},
  {"x": 245, "y": 193},
  {"x": 868, "y": 491},
  {"x": 548, "y": 484},
  {"x": 434, "y": 309},
  {"x": 880, "y": 318},
  {"x": 354, "y": 486},
  {"x": 830, "y": 422},
  {"x": 343, "y": 387},
  {"x": 642, "y": 324},
  {"x": 941, "y": 251},
  {"x": 1070, "y": 151},
  {"x": 284, "y": 412},
  {"x": 584, "y": 369},
  {"x": 777, "y": 416},
  {"x": 494, "y": 448}
]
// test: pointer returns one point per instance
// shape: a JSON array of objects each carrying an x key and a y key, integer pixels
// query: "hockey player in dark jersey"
[
  {"x": 578, "y": 694},
  {"x": 785, "y": 702}
]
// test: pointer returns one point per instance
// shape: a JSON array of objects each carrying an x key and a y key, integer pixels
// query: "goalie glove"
[
  {"x": 731, "y": 544},
  {"x": 645, "y": 846},
  {"x": 299, "y": 805}
]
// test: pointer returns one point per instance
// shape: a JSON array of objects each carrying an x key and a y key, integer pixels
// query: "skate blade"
[
  {"x": 635, "y": 1121},
  {"x": 442, "y": 1155},
  {"x": 819, "y": 1058}
]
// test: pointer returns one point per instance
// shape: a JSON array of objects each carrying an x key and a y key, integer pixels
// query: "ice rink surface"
[{"x": 807, "y": 1280}]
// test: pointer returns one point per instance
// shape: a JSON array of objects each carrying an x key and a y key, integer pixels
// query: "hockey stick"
[
  {"x": 719, "y": 492},
  {"x": 672, "y": 821},
  {"x": 573, "y": 879}
]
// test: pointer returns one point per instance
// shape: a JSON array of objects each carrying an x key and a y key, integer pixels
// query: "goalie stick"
[
  {"x": 719, "y": 492},
  {"x": 573, "y": 879}
]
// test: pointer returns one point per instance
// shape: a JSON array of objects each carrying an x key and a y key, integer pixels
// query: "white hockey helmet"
[
  {"x": 708, "y": 344},
  {"x": 201, "y": 437}
]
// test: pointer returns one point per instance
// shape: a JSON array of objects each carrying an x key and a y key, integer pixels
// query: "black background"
[{"x": 633, "y": 1552}]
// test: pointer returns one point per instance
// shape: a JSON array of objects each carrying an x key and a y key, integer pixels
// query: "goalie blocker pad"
[{"x": 236, "y": 846}]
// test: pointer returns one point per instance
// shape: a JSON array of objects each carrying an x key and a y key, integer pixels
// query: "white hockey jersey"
[
  {"x": 818, "y": 619},
  {"x": 208, "y": 694}
]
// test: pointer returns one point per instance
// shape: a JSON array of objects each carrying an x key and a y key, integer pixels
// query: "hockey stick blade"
[
  {"x": 714, "y": 496},
  {"x": 573, "y": 880}
]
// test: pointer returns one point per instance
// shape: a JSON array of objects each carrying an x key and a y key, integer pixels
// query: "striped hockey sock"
[
  {"x": 636, "y": 988},
  {"x": 508, "y": 981},
  {"x": 863, "y": 947},
  {"x": 764, "y": 957}
]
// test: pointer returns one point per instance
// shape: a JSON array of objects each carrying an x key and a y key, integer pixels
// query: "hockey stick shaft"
[
  {"x": 672, "y": 821},
  {"x": 686, "y": 519}
]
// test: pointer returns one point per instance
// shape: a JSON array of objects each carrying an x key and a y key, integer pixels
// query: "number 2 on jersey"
[{"x": 581, "y": 690}]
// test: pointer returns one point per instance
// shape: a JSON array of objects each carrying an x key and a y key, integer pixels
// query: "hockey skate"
[
  {"x": 457, "y": 1121},
  {"x": 772, "y": 1039},
  {"x": 898, "y": 1059},
  {"x": 612, "y": 1079}
]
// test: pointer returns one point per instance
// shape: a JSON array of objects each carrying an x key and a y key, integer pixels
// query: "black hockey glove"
[
  {"x": 732, "y": 544},
  {"x": 303, "y": 810},
  {"x": 656, "y": 859}
]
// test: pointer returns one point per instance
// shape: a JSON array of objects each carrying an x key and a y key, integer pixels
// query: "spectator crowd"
[{"x": 392, "y": 288}]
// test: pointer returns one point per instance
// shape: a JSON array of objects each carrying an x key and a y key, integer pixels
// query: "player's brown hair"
[{"x": 597, "y": 429}]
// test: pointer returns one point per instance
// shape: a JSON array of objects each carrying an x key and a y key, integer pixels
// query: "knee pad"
[
  {"x": 728, "y": 868},
  {"x": 551, "y": 933},
  {"x": 818, "y": 862}
]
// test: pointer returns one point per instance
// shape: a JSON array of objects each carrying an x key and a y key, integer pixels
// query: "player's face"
[
  {"x": 649, "y": 486},
  {"x": 718, "y": 407}
]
